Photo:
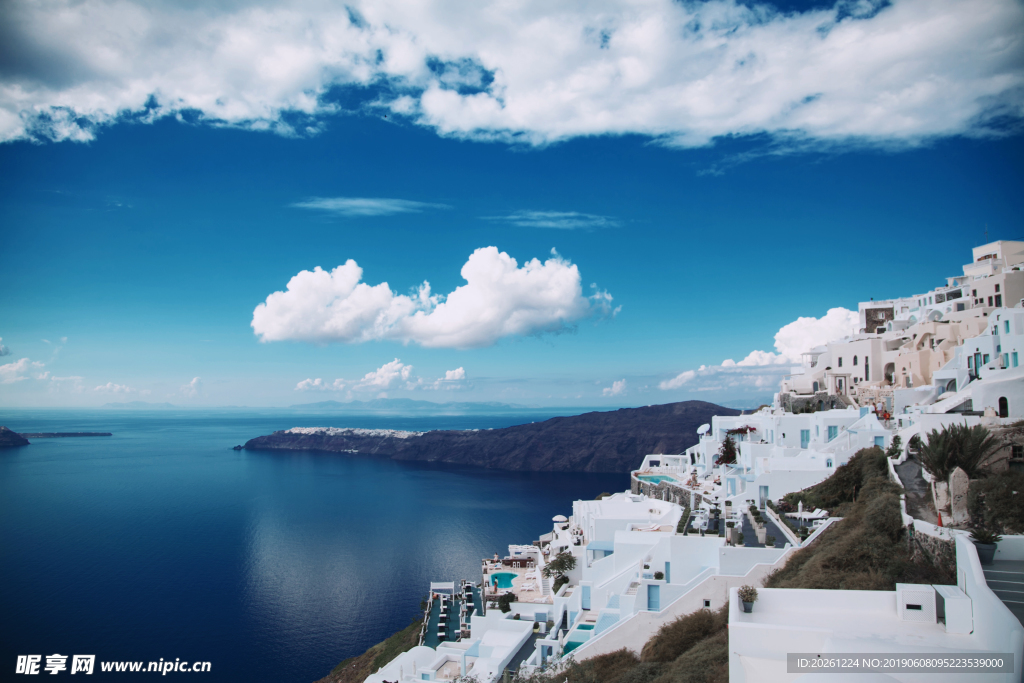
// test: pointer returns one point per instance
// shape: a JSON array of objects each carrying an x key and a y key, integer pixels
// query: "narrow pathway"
[{"x": 919, "y": 496}]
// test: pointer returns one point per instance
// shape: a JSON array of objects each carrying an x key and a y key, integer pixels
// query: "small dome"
[{"x": 559, "y": 518}]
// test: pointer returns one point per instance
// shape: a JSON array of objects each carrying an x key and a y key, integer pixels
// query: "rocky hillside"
[
  {"x": 9, "y": 438},
  {"x": 614, "y": 441}
]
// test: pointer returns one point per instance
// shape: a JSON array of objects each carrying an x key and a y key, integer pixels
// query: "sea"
[{"x": 161, "y": 542}]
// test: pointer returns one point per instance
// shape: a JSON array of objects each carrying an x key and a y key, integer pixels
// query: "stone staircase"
[
  {"x": 545, "y": 585},
  {"x": 1006, "y": 579}
]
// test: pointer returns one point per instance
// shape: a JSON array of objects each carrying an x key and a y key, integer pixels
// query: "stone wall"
[
  {"x": 662, "y": 491},
  {"x": 940, "y": 552},
  {"x": 794, "y": 402}
]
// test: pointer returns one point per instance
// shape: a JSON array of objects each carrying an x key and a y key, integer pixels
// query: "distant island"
[
  {"x": 408, "y": 405},
  {"x": 139, "y": 405},
  {"x": 60, "y": 435},
  {"x": 612, "y": 441},
  {"x": 10, "y": 438}
]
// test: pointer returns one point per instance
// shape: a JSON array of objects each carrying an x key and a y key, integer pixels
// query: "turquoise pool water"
[
  {"x": 503, "y": 579},
  {"x": 585, "y": 627},
  {"x": 655, "y": 478}
]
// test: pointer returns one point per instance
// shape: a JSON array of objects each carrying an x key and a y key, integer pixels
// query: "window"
[
  {"x": 828, "y": 463},
  {"x": 880, "y": 441},
  {"x": 970, "y": 365},
  {"x": 1006, "y": 327},
  {"x": 805, "y": 438},
  {"x": 833, "y": 432},
  {"x": 855, "y": 360},
  {"x": 867, "y": 370},
  {"x": 1013, "y": 358},
  {"x": 1006, "y": 360},
  {"x": 1016, "y": 452},
  {"x": 997, "y": 289},
  {"x": 1004, "y": 407},
  {"x": 984, "y": 359},
  {"x": 999, "y": 300},
  {"x": 990, "y": 301},
  {"x": 974, "y": 292},
  {"x": 817, "y": 431},
  {"x": 840, "y": 361}
]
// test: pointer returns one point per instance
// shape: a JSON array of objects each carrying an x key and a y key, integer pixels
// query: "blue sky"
[{"x": 141, "y": 230}]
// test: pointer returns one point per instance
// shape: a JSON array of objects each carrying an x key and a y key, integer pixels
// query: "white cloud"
[
  {"x": 361, "y": 206},
  {"x": 15, "y": 372},
  {"x": 499, "y": 299},
  {"x": 385, "y": 377},
  {"x": 111, "y": 388},
  {"x": 803, "y": 334},
  {"x": 764, "y": 369},
  {"x": 311, "y": 385},
  {"x": 618, "y": 387},
  {"x": 561, "y": 220},
  {"x": 532, "y": 72},
  {"x": 453, "y": 379},
  {"x": 4, "y": 351},
  {"x": 193, "y": 388},
  {"x": 677, "y": 381}
]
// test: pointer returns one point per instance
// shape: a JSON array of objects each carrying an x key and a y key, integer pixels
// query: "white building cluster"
[{"x": 695, "y": 526}]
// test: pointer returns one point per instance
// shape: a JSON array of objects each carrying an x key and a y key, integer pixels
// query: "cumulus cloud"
[
  {"x": 560, "y": 220},
  {"x": 193, "y": 388},
  {"x": 453, "y": 379},
  {"x": 803, "y": 334},
  {"x": 17, "y": 371},
  {"x": 533, "y": 72},
  {"x": 385, "y": 377},
  {"x": 311, "y": 385},
  {"x": 499, "y": 299},
  {"x": 618, "y": 387},
  {"x": 111, "y": 388},
  {"x": 678, "y": 381},
  {"x": 393, "y": 375},
  {"x": 361, "y": 206},
  {"x": 4, "y": 351},
  {"x": 763, "y": 369}
]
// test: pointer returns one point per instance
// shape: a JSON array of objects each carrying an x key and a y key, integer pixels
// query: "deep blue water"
[{"x": 161, "y": 541}]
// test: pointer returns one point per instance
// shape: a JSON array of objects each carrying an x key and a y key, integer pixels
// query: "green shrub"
[{"x": 678, "y": 636}]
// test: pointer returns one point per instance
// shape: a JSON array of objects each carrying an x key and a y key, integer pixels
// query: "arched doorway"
[
  {"x": 1004, "y": 407},
  {"x": 890, "y": 370}
]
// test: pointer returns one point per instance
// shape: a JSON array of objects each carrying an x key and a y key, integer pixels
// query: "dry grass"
[{"x": 868, "y": 549}]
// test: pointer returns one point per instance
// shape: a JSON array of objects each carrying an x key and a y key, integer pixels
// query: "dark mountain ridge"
[{"x": 613, "y": 441}]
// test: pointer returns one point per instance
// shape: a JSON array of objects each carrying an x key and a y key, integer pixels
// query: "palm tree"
[{"x": 955, "y": 446}]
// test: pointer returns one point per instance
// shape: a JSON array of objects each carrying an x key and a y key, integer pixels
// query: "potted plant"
[
  {"x": 659, "y": 576},
  {"x": 748, "y": 596},
  {"x": 769, "y": 541},
  {"x": 985, "y": 541}
]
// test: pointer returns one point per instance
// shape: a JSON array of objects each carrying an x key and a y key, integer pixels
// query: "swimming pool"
[
  {"x": 503, "y": 579},
  {"x": 654, "y": 478}
]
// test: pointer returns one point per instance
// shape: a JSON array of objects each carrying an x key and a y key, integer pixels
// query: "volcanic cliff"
[{"x": 614, "y": 441}]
